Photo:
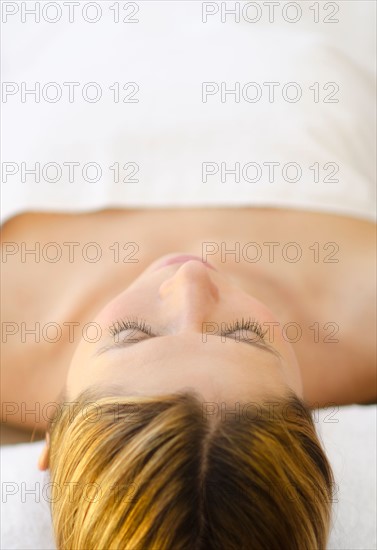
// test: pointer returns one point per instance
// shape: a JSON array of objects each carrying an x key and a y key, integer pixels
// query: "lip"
[{"x": 181, "y": 259}]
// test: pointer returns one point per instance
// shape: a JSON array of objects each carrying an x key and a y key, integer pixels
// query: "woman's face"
[{"x": 187, "y": 305}]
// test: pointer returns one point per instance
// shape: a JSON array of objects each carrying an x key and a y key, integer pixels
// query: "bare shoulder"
[
  {"x": 9, "y": 435},
  {"x": 343, "y": 369}
]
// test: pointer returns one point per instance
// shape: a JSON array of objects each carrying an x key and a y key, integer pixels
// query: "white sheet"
[
  {"x": 349, "y": 435},
  {"x": 170, "y": 133}
]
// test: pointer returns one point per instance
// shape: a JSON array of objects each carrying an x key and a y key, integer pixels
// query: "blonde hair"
[{"x": 160, "y": 473}]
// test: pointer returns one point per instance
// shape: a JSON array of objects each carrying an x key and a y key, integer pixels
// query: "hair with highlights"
[{"x": 140, "y": 473}]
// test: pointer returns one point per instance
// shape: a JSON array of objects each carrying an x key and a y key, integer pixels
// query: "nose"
[{"x": 189, "y": 295}]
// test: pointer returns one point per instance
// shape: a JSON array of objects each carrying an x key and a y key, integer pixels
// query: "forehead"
[{"x": 215, "y": 368}]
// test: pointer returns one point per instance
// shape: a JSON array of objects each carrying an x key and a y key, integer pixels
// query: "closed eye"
[
  {"x": 230, "y": 332},
  {"x": 136, "y": 325}
]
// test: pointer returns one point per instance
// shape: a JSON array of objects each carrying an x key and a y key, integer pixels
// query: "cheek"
[
  {"x": 257, "y": 309},
  {"x": 127, "y": 304}
]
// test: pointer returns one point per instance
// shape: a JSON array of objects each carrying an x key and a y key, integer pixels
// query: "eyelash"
[
  {"x": 245, "y": 324},
  {"x": 124, "y": 324}
]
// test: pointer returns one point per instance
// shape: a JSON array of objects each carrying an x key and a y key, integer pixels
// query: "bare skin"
[{"x": 333, "y": 303}]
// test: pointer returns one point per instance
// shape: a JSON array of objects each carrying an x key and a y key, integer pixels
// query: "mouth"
[{"x": 181, "y": 259}]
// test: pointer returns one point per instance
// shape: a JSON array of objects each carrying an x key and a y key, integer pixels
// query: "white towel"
[{"x": 170, "y": 133}]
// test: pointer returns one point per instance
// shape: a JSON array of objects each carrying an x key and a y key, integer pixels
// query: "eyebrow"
[{"x": 125, "y": 344}]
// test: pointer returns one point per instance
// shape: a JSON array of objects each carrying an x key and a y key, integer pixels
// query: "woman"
[
  {"x": 197, "y": 440},
  {"x": 173, "y": 356}
]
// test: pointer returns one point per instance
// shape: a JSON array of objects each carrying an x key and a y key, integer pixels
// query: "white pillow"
[{"x": 349, "y": 436}]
